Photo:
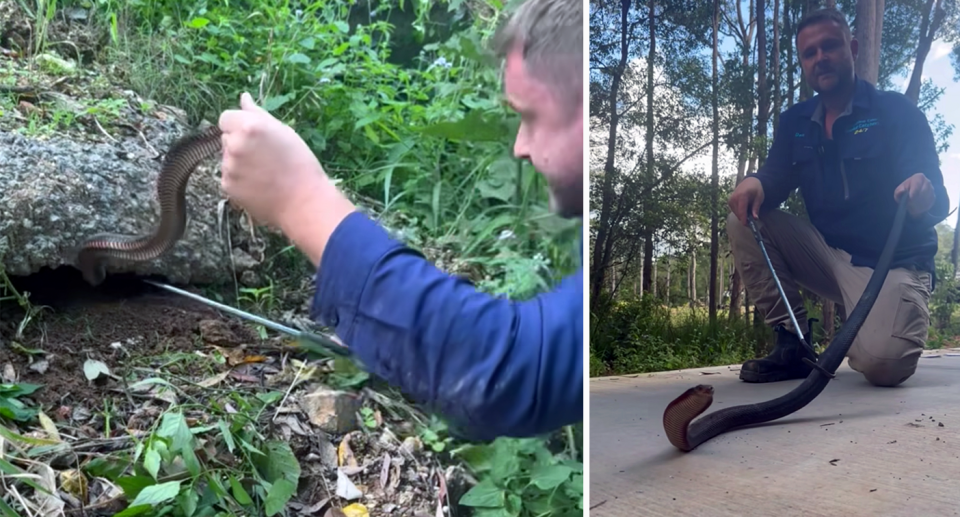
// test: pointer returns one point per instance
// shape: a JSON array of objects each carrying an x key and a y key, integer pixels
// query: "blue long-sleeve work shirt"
[
  {"x": 847, "y": 182},
  {"x": 493, "y": 367}
]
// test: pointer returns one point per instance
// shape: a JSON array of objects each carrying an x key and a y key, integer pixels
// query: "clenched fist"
[
  {"x": 920, "y": 194},
  {"x": 749, "y": 193}
]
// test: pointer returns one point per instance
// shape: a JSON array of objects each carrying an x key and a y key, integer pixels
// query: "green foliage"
[
  {"x": 522, "y": 478},
  {"x": 11, "y": 408},
  {"x": 642, "y": 335},
  {"x": 432, "y": 141}
]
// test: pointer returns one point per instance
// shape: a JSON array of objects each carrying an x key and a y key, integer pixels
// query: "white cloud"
[{"x": 938, "y": 50}]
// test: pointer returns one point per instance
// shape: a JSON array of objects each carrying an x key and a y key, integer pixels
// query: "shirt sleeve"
[
  {"x": 491, "y": 366},
  {"x": 776, "y": 174},
  {"x": 916, "y": 151}
]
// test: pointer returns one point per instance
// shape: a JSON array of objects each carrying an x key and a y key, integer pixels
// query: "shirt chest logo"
[{"x": 862, "y": 126}]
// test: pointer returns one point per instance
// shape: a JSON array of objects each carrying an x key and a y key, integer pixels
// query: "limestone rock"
[{"x": 57, "y": 191}]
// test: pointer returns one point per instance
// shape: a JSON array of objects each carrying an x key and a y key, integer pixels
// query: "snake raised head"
[
  {"x": 178, "y": 165},
  {"x": 686, "y": 435}
]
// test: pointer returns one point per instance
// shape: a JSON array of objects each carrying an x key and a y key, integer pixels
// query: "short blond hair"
[{"x": 551, "y": 32}]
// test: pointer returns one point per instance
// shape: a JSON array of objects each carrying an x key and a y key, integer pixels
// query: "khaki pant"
[{"x": 889, "y": 344}]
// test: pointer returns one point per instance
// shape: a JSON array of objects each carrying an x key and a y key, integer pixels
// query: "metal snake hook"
[{"x": 783, "y": 296}]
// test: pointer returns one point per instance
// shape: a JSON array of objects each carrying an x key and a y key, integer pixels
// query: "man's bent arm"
[
  {"x": 776, "y": 174},
  {"x": 492, "y": 366},
  {"x": 917, "y": 152}
]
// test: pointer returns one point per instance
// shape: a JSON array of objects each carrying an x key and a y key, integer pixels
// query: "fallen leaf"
[
  {"x": 49, "y": 426},
  {"x": 345, "y": 455},
  {"x": 75, "y": 483},
  {"x": 345, "y": 487},
  {"x": 213, "y": 381},
  {"x": 92, "y": 369},
  {"x": 356, "y": 510}
]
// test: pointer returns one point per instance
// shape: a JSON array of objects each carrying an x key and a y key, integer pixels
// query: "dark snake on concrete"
[
  {"x": 178, "y": 165},
  {"x": 678, "y": 416}
]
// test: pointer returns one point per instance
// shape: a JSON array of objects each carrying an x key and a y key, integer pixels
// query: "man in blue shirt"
[
  {"x": 853, "y": 151},
  {"x": 492, "y": 366}
]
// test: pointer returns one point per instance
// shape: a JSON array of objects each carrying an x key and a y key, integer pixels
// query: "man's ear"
[{"x": 854, "y": 47}]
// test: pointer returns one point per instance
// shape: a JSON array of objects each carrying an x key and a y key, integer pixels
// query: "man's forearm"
[
  {"x": 313, "y": 216},
  {"x": 491, "y": 365}
]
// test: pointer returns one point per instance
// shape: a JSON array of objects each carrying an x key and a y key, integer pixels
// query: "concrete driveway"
[{"x": 855, "y": 450}]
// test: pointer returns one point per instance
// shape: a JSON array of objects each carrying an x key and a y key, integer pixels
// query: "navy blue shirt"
[
  {"x": 847, "y": 183},
  {"x": 491, "y": 366}
]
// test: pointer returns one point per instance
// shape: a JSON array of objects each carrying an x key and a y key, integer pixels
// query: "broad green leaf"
[
  {"x": 547, "y": 477},
  {"x": 299, "y": 58},
  {"x": 188, "y": 502},
  {"x": 110, "y": 467},
  {"x": 484, "y": 494},
  {"x": 151, "y": 462},
  {"x": 227, "y": 435},
  {"x": 174, "y": 426},
  {"x": 19, "y": 389},
  {"x": 132, "y": 485},
  {"x": 274, "y": 102},
  {"x": 156, "y": 494},
  {"x": 198, "y": 23},
  {"x": 239, "y": 493},
  {"x": 13, "y": 409},
  {"x": 130, "y": 511},
  {"x": 278, "y": 463},
  {"x": 278, "y": 495}
]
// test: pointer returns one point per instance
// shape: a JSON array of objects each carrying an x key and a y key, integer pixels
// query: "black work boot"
[{"x": 785, "y": 362}]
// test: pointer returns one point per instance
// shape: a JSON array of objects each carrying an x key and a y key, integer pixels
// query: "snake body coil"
[
  {"x": 678, "y": 416},
  {"x": 178, "y": 165}
]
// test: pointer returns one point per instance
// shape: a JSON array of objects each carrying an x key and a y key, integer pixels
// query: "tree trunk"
[
  {"x": 869, "y": 18},
  {"x": 603, "y": 245},
  {"x": 653, "y": 278},
  {"x": 776, "y": 66},
  {"x": 651, "y": 170},
  {"x": 928, "y": 31},
  {"x": 763, "y": 91},
  {"x": 805, "y": 91},
  {"x": 788, "y": 27},
  {"x": 692, "y": 278},
  {"x": 715, "y": 175},
  {"x": 647, "y": 270},
  {"x": 666, "y": 293},
  {"x": 721, "y": 274}
]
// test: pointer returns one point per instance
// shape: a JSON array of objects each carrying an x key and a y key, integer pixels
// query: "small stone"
[
  {"x": 243, "y": 261},
  {"x": 250, "y": 278},
  {"x": 328, "y": 454},
  {"x": 333, "y": 411},
  {"x": 40, "y": 366},
  {"x": 217, "y": 332},
  {"x": 411, "y": 445}
]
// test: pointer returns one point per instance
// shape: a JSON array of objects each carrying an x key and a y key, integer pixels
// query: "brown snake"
[
  {"x": 686, "y": 435},
  {"x": 178, "y": 165}
]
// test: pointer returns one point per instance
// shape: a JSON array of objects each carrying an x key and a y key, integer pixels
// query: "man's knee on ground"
[{"x": 886, "y": 373}]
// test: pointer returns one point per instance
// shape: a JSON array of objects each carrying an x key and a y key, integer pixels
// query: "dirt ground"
[
  {"x": 82, "y": 323},
  {"x": 141, "y": 331}
]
